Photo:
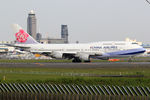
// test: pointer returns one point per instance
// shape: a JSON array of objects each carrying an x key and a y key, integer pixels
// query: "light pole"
[{"x": 148, "y": 1}]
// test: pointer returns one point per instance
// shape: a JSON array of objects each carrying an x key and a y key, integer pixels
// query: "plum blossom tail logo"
[{"x": 21, "y": 36}]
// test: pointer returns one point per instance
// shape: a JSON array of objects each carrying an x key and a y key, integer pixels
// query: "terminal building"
[
  {"x": 134, "y": 41},
  {"x": 4, "y": 48},
  {"x": 62, "y": 40},
  {"x": 64, "y": 33},
  {"x": 32, "y": 26}
]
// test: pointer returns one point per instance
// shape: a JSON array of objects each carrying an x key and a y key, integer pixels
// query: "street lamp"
[{"x": 148, "y": 1}]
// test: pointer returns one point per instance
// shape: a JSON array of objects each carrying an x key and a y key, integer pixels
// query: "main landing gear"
[
  {"x": 130, "y": 59},
  {"x": 76, "y": 60}
]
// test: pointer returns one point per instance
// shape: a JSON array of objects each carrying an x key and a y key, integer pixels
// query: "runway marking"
[
  {"x": 39, "y": 64},
  {"x": 87, "y": 63}
]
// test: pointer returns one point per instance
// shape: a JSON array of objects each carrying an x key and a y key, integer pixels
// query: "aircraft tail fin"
[{"x": 22, "y": 37}]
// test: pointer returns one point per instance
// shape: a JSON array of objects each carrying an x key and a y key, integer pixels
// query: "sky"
[{"x": 87, "y": 20}]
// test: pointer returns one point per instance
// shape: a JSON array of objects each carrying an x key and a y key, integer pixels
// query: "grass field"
[{"x": 76, "y": 75}]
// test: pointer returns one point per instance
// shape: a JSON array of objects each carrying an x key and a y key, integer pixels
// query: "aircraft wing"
[
  {"x": 81, "y": 55},
  {"x": 17, "y": 46}
]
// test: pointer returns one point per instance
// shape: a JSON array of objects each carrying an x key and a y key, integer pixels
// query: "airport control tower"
[
  {"x": 31, "y": 24},
  {"x": 64, "y": 33}
]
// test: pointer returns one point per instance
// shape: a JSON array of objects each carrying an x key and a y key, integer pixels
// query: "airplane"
[{"x": 77, "y": 52}]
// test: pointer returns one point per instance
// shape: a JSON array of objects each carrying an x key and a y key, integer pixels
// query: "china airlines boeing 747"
[{"x": 76, "y": 52}]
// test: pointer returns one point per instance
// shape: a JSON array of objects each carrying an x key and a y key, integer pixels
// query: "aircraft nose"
[{"x": 142, "y": 49}]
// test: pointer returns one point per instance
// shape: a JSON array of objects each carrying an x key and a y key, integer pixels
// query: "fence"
[
  {"x": 28, "y": 96},
  {"x": 17, "y": 91}
]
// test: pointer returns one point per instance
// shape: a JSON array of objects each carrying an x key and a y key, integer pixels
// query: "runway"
[{"x": 79, "y": 65}]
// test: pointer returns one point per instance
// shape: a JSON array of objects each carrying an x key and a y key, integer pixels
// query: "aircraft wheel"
[
  {"x": 130, "y": 59},
  {"x": 76, "y": 60}
]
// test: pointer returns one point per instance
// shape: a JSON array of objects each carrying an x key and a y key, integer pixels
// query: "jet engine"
[
  {"x": 58, "y": 55},
  {"x": 84, "y": 56}
]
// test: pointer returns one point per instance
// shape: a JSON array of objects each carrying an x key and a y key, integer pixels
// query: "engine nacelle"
[
  {"x": 84, "y": 56},
  {"x": 58, "y": 55}
]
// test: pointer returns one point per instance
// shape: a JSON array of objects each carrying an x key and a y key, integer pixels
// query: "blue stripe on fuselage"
[
  {"x": 127, "y": 52},
  {"x": 132, "y": 53}
]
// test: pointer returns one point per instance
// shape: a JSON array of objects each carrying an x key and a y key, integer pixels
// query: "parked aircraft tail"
[{"x": 22, "y": 37}]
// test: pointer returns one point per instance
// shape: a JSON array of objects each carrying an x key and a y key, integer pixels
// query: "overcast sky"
[{"x": 87, "y": 20}]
